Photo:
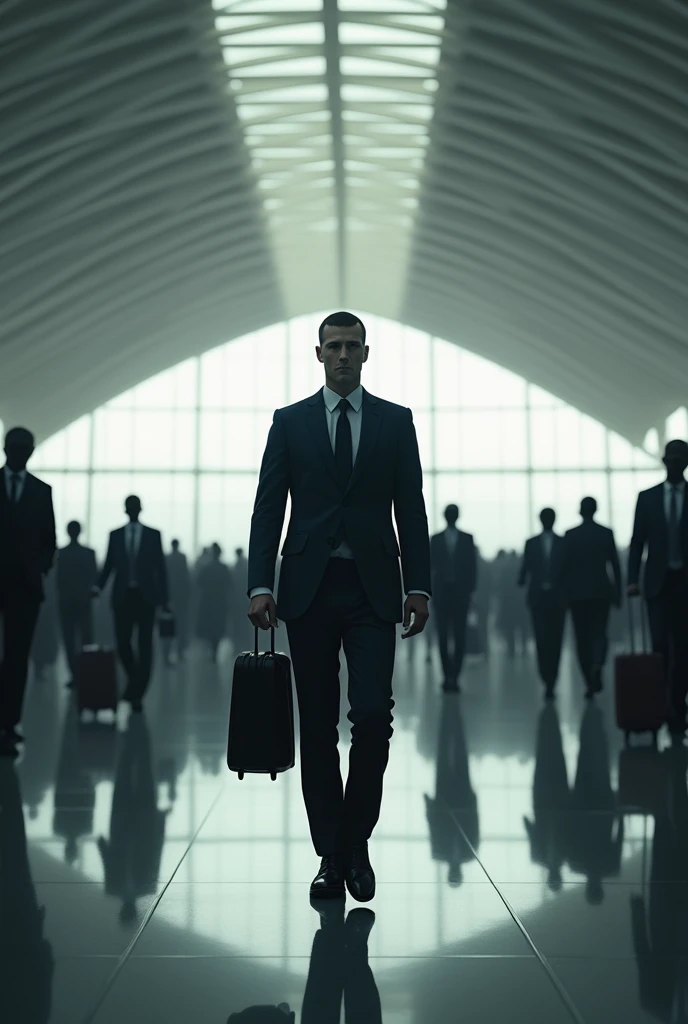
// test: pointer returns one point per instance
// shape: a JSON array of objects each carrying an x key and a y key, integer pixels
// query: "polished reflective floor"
[{"x": 528, "y": 868}]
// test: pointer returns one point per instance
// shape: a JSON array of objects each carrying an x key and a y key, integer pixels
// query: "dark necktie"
[
  {"x": 132, "y": 556},
  {"x": 343, "y": 445},
  {"x": 14, "y": 492},
  {"x": 675, "y": 555},
  {"x": 547, "y": 558}
]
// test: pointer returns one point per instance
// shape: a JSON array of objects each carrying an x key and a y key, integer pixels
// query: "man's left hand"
[{"x": 416, "y": 604}]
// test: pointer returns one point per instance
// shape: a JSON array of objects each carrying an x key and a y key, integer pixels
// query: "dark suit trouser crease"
[
  {"x": 131, "y": 613},
  {"x": 451, "y": 609},
  {"x": 19, "y": 611},
  {"x": 341, "y": 615},
  {"x": 549, "y": 616},
  {"x": 590, "y": 621},
  {"x": 76, "y": 621},
  {"x": 668, "y": 615}
]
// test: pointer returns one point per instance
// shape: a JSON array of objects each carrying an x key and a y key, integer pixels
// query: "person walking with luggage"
[
  {"x": 592, "y": 584},
  {"x": 346, "y": 457},
  {"x": 136, "y": 559},
  {"x": 27, "y": 550},
  {"x": 541, "y": 571},
  {"x": 454, "y": 579},
  {"x": 661, "y": 527},
  {"x": 75, "y": 575}
]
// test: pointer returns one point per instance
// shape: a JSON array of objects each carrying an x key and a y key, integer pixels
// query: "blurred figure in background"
[
  {"x": 454, "y": 578},
  {"x": 541, "y": 571},
  {"x": 482, "y": 601},
  {"x": 241, "y": 630},
  {"x": 179, "y": 581},
  {"x": 75, "y": 576},
  {"x": 214, "y": 592},
  {"x": 511, "y": 611},
  {"x": 592, "y": 581}
]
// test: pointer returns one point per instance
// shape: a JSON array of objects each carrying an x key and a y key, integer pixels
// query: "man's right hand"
[
  {"x": 633, "y": 590},
  {"x": 262, "y": 611}
]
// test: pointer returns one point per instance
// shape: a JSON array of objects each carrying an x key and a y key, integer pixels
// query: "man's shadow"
[
  {"x": 455, "y": 803},
  {"x": 339, "y": 969},
  {"x": 131, "y": 857},
  {"x": 551, "y": 800},
  {"x": 26, "y": 957}
]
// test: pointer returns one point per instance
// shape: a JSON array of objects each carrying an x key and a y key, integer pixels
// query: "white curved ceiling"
[{"x": 507, "y": 174}]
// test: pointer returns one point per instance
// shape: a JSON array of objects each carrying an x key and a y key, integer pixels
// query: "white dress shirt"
[
  {"x": 355, "y": 414},
  {"x": 680, "y": 497},
  {"x": 451, "y": 535},
  {"x": 8, "y": 482},
  {"x": 547, "y": 544},
  {"x": 135, "y": 531}
]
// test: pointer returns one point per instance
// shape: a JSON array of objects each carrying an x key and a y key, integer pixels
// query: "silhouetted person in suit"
[
  {"x": 241, "y": 631},
  {"x": 483, "y": 601},
  {"x": 76, "y": 573},
  {"x": 592, "y": 583},
  {"x": 346, "y": 457},
  {"x": 131, "y": 857},
  {"x": 454, "y": 579},
  {"x": 339, "y": 969},
  {"x": 179, "y": 582},
  {"x": 661, "y": 526},
  {"x": 214, "y": 592},
  {"x": 135, "y": 557},
  {"x": 454, "y": 798},
  {"x": 27, "y": 549},
  {"x": 27, "y": 963},
  {"x": 541, "y": 570},
  {"x": 548, "y": 831}
]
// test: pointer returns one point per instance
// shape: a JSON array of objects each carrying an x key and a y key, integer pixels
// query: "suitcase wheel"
[
  {"x": 241, "y": 775},
  {"x": 273, "y": 776}
]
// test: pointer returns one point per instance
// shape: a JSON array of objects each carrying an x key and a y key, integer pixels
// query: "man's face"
[
  {"x": 18, "y": 454},
  {"x": 343, "y": 354},
  {"x": 133, "y": 507},
  {"x": 676, "y": 461}
]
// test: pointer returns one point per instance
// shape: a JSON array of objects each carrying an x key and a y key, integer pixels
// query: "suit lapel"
[
  {"x": 317, "y": 428},
  {"x": 371, "y": 421}
]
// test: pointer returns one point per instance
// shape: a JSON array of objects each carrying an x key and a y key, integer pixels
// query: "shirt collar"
[
  {"x": 681, "y": 486},
  {"x": 332, "y": 399},
  {"x": 9, "y": 473}
]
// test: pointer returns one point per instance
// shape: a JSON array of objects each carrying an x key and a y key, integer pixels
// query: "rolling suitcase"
[
  {"x": 96, "y": 681},
  {"x": 167, "y": 626},
  {"x": 261, "y": 716},
  {"x": 643, "y": 780},
  {"x": 640, "y": 688}
]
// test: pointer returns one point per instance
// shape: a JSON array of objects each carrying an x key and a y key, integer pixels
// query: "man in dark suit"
[
  {"x": 179, "y": 581},
  {"x": 136, "y": 558},
  {"x": 27, "y": 549},
  {"x": 590, "y": 556},
  {"x": 454, "y": 579},
  {"x": 76, "y": 573},
  {"x": 541, "y": 570},
  {"x": 661, "y": 524},
  {"x": 346, "y": 457}
]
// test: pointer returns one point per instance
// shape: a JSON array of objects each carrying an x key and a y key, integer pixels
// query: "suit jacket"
[
  {"x": 151, "y": 572},
  {"x": 299, "y": 460},
  {"x": 589, "y": 553},
  {"x": 27, "y": 536},
  {"x": 76, "y": 572},
  {"x": 460, "y": 567},
  {"x": 651, "y": 529},
  {"x": 533, "y": 569}
]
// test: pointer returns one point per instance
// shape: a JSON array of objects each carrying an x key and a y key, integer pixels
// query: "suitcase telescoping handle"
[
  {"x": 272, "y": 640},
  {"x": 631, "y": 625}
]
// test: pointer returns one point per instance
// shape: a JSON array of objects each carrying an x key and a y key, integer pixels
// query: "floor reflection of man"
[
  {"x": 26, "y": 957},
  {"x": 75, "y": 790},
  {"x": 660, "y": 917},
  {"x": 455, "y": 802},
  {"x": 131, "y": 857},
  {"x": 551, "y": 800}
]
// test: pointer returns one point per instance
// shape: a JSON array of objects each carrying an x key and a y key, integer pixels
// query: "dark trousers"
[
  {"x": 76, "y": 621},
  {"x": 341, "y": 615},
  {"x": 590, "y": 621},
  {"x": 132, "y": 612},
  {"x": 339, "y": 967},
  {"x": 19, "y": 611},
  {"x": 548, "y": 615},
  {"x": 451, "y": 610},
  {"x": 668, "y": 615}
]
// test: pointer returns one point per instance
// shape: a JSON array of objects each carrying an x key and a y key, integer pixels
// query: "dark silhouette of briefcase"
[
  {"x": 261, "y": 716},
  {"x": 96, "y": 681}
]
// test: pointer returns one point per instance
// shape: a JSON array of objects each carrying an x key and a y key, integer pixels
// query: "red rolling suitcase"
[
  {"x": 641, "y": 702},
  {"x": 261, "y": 716},
  {"x": 96, "y": 681}
]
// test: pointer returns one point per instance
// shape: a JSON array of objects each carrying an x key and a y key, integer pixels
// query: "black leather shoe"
[
  {"x": 359, "y": 923},
  {"x": 7, "y": 747},
  {"x": 15, "y": 736},
  {"x": 360, "y": 877},
  {"x": 329, "y": 881}
]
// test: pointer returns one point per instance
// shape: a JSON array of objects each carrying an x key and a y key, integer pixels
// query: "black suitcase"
[{"x": 261, "y": 716}]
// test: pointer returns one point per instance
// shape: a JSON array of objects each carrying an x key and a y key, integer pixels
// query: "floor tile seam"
[
  {"x": 554, "y": 979},
  {"x": 126, "y": 954}
]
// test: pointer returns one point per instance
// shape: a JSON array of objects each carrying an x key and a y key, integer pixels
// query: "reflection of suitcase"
[
  {"x": 473, "y": 643},
  {"x": 167, "y": 627},
  {"x": 261, "y": 718},
  {"x": 96, "y": 682},
  {"x": 643, "y": 780},
  {"x": 640, "y": 687}
]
